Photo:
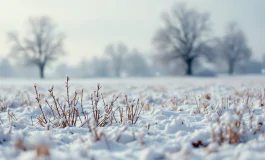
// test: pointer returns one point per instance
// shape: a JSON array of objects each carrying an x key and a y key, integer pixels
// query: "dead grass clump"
[
  {"x": 232, "y": 128},
  {"x": 108, "y": 115},
  {"x": 198, "y": 108},
  {"x": 147, "y": 107},
  {"x": 60, "y": 114},
  {"x": 42, "y": 150},
  {"x": 133, "y": 110},
  {"x": 174, "y": 101},
  {"x": 20, "y": 99},
  {"x": 3, "y": 104},
  {"x": 71, "y": 111},
  {"x": 19, "y": 144},
  {"x": 207, "y": 96},
  {"x": 261, "y": 101}
]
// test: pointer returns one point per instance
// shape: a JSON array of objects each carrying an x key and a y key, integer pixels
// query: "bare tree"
[
  {"x": 116, "y": 53},
  {"x": 136, "y": 64},
  {"x": 6, "y": 69},
  {"x": 185, "y": 35},
  {"x": 234, "y": 46},
  {"x": 42, "y": 44},
  {"x": 100, "y": 67}
]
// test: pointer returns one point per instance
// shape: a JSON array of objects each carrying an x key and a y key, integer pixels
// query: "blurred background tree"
[
  {"x": 117, "y": 53},
  {"x": 184, "y": 36},
  {"x": 234, "y": 47},
  {"x": 42, "y": 44}
]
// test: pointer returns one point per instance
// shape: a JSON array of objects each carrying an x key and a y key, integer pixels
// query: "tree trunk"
[
  {"x": 189, "y": 67},
  {"x": 42, "y": 71},
  {"x": 231, "y": 68},
  {"x": 117, "y": 72}
]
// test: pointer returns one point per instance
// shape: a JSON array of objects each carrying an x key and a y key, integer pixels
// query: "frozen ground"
[{"x": 175, "y": 118}]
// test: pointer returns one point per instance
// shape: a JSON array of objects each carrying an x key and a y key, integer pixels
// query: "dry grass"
[
  {"x": 68, "y": 114},
  {"x": 42, "y": 150}
]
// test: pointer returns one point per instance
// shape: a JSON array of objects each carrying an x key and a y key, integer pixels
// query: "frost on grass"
[{"x": 176, "y": 120}]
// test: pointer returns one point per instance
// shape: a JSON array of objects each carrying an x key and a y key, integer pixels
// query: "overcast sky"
[{"x": 91, "y": 24}]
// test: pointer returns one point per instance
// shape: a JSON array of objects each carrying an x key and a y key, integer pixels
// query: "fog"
[{"x": 90, "y": 27}]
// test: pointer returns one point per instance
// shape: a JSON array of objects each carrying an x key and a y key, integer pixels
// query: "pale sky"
[{"x": 92, "y": 24}]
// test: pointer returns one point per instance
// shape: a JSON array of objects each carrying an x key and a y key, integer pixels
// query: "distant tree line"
[
  {"x": 118, "y": 61},
  {"x": 187, "y": 36},
  {"x": 184, "y": 45}
]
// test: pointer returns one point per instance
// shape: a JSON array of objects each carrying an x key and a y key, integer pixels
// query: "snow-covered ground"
[{"x": 146, "y": 119}]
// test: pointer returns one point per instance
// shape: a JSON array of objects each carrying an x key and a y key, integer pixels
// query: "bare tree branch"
[
  {"x": 42, "y": 45},
  {"x": 185, "y": 33},
  {"x": 116, "y": 53},
  {"x": 234, "y": 47}
]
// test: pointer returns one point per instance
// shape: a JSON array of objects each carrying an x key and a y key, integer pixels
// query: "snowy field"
[{"x": 145, "y": 119}]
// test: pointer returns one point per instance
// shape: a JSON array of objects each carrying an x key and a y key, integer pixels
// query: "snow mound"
[{"x": 174, "y": 126}]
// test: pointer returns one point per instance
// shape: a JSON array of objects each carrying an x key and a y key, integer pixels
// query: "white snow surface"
[{"x": 170, "y": 128}]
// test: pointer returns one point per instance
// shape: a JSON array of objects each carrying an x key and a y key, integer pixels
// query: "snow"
[
  {"x": 231, "y": 126},
  {"x": 174, "y": 126}
]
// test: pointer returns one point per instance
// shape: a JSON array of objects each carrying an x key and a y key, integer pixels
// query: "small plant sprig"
[
  {"x": 94, "y": 102},
  {"x": 198, "y": 109},
  {"x": 11, "y": 116},
  {"x": 133, "y": 110},
  {"x": 43, "y": 118},
  {"x": 109, "y": 112},
  {"x": 174, "y": 101}
]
